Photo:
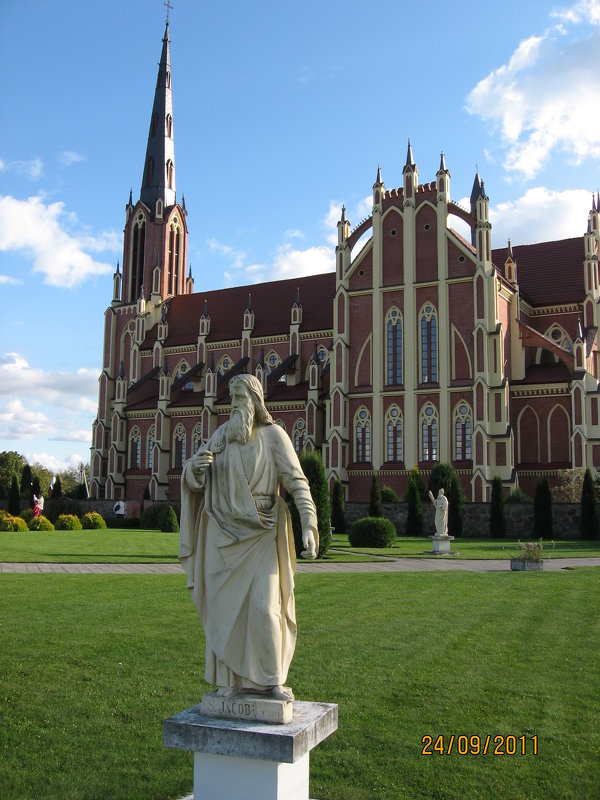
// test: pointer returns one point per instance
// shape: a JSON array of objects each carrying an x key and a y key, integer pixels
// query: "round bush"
[
  {"x": 14, "y": 524},
  {"x": 167, "y": 520},
  {"x": 40, "y": 523},
  {"x": 149, "y": 519},
  {"x": 372, "y": 532},
  {"x": 388, "y": 495},
  {"x": 3, "y": 514},
  {"x": 68, "y": 522},
  {"x": 92, "y": 521}
]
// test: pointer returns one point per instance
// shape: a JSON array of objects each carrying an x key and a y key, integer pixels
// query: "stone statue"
[
  {"x": 237, "y": 546},
  {"x": 441, "y": 513}
]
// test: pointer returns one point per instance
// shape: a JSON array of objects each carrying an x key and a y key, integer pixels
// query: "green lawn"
[
  {"x": 91, "y": 665},
  {"x": 420, "y": 546},
  {"x": 135, "y": 546}
]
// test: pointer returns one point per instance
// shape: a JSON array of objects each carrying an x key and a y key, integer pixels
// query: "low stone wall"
[{"x": 476, "y": 518}]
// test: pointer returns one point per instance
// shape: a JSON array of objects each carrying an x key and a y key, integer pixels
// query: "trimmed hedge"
[
  {"x": 68, "y": 522},
  {"x": 14, "y": 524},
  {"x": 388, "y": 495},
  {"x": 40, "y": 523},
  {"x": 92, "y": 521},
  {"x": 372, "y": 532}
]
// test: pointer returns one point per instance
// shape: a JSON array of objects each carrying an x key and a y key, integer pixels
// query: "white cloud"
[
  {"x": 291, "y": 263},
  {"x": 582, "y": 11},
  {"x": 7, "y": 279},
  {"x": 18, "y": 421},
  {"x": 69, "y": 157},
  {"x": 547, "y": 97},
  {"x": 293, "y": 233},
  {"x": 43, "y": 232},
  {"x": 50, "y": 461},
  {"x": 541, "y": 215},
  {"x": 33, "y": 169}
]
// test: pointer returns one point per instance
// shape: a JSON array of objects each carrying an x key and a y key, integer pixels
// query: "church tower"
[
  {"x": 153, "y": 272},
  {"x": 155, "y": 243}
]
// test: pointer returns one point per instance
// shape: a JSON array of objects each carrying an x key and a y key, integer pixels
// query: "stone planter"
[{"x": 521, "y": 564}]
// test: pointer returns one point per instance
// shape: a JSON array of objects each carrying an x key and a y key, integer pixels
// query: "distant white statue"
[
  {"x": 237, "y": 546},
  {"x": 441, "y": 513}
]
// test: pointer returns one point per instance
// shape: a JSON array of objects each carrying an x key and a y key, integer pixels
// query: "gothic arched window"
[
  {"x": 429, "y": 434},
  {"x": 179, "y": 447},
  {"x": 135, "y": 442},
  {"x": 362, "y": 428},
  {"x": 393, "y": 427},
  {"x": 299, "y": 435},
  {"x": 393, "y": 347},
  {"x": 463, "y": 433},
  {"x": 429, "y": 337},
  {"x": 150, "y": 447}
]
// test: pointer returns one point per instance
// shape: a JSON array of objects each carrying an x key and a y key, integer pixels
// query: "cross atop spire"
[{"x": 169, "y": 7}]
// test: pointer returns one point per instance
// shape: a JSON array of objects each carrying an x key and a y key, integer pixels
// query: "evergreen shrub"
[
  {"x": 55, "y": 506},
  {"x": 372, "y": 532},
  {"x": 312, "y": 466},
  {"x": 68, "y": 522},
  {"x": 518, "y": 496},
  {"x": 14, "y": 498},
  {"x": 388, "y": 495},
  {"x": 167, "y": 520},
  {"x": 338, "y": 517},
  {"x": 497, "y": 518},
  {"x": 413, "y": 499},
  {"x": 444, "y": 477},
  {"x": 150, "y": 516},
  {"x": 4, "y": 513},
  {"x": 117, "y": 522},
  {"x": 40, "y": 523},
  {"x": 92, "y": 521},
  {"x": 27, "y": 514},
  {"x": 14, "y": 524},
  {"x": 589, "y": 513},
  {"x": 542, "y": 509},
  {"x": 375, "y": 500}
]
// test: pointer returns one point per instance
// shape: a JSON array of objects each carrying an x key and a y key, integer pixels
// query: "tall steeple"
[{"x": 158, "y": 180}]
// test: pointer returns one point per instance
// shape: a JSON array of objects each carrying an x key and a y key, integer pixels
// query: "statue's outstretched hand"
[
  {"x": 201, "y": 461},
  {"x": 309, "y": 542}
]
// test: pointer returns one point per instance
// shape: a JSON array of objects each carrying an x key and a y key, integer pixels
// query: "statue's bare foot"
[
  {"x": 282, "y": 693},
  {"x": 225, "y": 691}
]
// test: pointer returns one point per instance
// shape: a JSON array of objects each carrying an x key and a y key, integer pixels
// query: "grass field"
[
  {"x": 91, "y": 665},
  {"x": 135, "y": 546}
]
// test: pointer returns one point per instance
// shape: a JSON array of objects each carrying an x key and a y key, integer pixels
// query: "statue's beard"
[{"x": 240, "y": 424}]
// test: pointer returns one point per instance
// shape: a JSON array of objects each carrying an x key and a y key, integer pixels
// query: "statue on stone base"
[
  {"x": 441, "y": 513},
  {"x": 237, "y": 546}
]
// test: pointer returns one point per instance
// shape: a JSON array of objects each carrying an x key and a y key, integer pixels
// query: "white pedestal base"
[
  {"x": 241, "y": 759},
  {"x": 228, "y": 777},
  {"x": 441, "y": 544}
]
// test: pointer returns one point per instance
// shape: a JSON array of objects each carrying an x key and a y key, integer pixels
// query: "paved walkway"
[{"x": 437, "y": 564}]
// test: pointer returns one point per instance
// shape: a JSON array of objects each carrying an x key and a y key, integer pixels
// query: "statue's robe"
[{"x": 237, "y": 549}]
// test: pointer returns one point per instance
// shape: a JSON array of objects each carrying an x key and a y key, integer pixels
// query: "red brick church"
[{"x": 421, "y": 347}]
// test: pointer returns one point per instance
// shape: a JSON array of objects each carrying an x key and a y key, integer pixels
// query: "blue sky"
[{"x": 282, "y": 112}]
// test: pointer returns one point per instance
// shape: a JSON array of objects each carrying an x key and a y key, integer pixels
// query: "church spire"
[{"x": 158, "y": 181}]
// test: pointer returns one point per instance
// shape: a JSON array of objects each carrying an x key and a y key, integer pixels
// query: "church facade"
[{"x": 421, "y": 347}]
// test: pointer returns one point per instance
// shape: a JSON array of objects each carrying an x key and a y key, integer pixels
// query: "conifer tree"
[
  {"x": 338, "y": 518},
  {"x": 497, "y": 518},
  {"x": 14, "y": 498},
  {"x": 589, "y": 512},
  {"x": 542, "y": 509},
  {"x": 375, "y": 501},
  {"x": 57, "y": 488},
  {"x": 414, "y": 520}
]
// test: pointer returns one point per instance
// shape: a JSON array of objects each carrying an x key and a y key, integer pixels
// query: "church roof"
[
  {"x": 271, "y": 304},
  {"x": 548, "y": 273}
]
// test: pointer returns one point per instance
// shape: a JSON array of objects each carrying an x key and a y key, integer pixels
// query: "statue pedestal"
[
  {"x": 238, "y": 758},
  {"x": 441, "y": 544}
]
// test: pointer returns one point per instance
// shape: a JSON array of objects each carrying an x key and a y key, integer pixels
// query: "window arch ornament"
[
  {"x": 224, "y": 365},
  {"x": 362, "y": 435},
  {"x": 180, "y": 371},
  {"x": 150, "y": 447},
  {"x": 322, "y": 355},
  {"x": 138, "y": 248},
  {"x": 394, "y": 434},
  {"x": 174, "y": 256},
  {"x": 463, "y": 432},
  {"x": 135, "y": 445},
  {"x": 557, "y": 334},
  {"x": 299, "y": 435},
  {"x": 272, "y": 361},
  {"x": 429, "y": 433},
  {"x": 179, "y": 442},
  {"x": 428, "y": 344},
  {"x": 393, "y": 334}
]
